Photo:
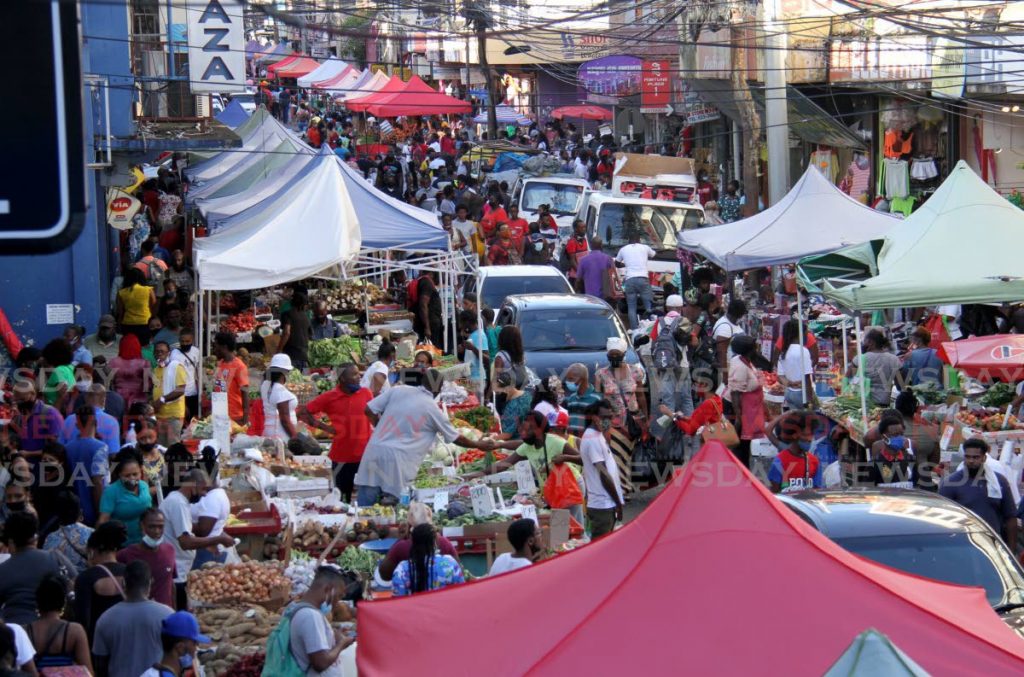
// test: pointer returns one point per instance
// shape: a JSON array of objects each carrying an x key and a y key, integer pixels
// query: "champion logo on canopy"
[{"x": 1006, "y": 352}]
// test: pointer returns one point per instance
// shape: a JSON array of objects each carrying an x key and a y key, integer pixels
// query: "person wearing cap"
[
  {"x": 672, "y": 376},
  {"x": 622, "y": 384},
  {"x": 279, "y": 403},
  {"x": 180, "y": 638},
  {"x": 104, "y": 341},
  {"x": 127, "y": 641}
]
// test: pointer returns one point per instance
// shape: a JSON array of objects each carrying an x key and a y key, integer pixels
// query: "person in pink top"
[{"x": 128, "y": 371}]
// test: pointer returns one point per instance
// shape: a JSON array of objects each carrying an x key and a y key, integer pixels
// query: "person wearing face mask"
[
  {"x": 795, "y": 468},
  {"x": 578, "y": 396},
  {"x": 377, "y": 377},
  {"x": 169, "y": 381},
  {"x": 126, "y": 498},
  {"x": 108, "y": 428},
  {"x": 179, "y": 529},
  {"x": 155, "y": 552},
  {"x": 312, "y": 642},
  {"x": 74, "y": 335},
  {"x": 16, "y": 499},
  {"x": 536, "y": 250},
  {"x": 349, "y": 429},
  {"x": 104, "y": 341},
  {"x": 180, "y": 638},
  {"x": 88, "y": 459},
  {"x": 187, "y": 355},
  {"x": 127, "y": 640},
  {"x": 154, "y": 466},
  {"x": 622, "y": 384},
  {"x": 71, "y": 536},
  {"x": 892, "y": 458},
  {"x": 575, "y": 249},
  {"x": 600, "y": 472}
]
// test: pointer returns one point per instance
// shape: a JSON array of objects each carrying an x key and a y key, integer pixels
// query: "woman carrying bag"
[
  {"x": 744, "y": 395},
  {"x": 622, "y": 385}
]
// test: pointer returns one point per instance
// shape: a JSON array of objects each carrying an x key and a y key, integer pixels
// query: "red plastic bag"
[
  {"x": 936, "y": 325},
  {"x": 256, "y": 420},
  {"x": 561, "y": 490}
]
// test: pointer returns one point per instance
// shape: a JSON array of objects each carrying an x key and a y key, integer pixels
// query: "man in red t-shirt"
[
  {"x": 577, "y": 247},
  {"x": 447, "y": 145},
  {"x": 345, "y": 407},
  {"x": 231, "y": 377},
  {"x": 157, "y": 553},
  {"x": 517, "y": 226},
  {"x": 495, "y": 216}
]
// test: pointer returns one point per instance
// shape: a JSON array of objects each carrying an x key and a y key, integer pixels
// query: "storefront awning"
[{"x": 807, "y": 119}]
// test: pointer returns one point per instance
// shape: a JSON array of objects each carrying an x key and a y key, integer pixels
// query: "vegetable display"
[
  {"x": 988, "y": 420},
  {"x": 998, "y": 395},
  {"x": 240, "y": 635},
  {"x": 480, "y": 418},
  {"x": 359, "y": 561},
  {"x": 332, "y": 352},
  {"x": 248, "y": 582}
]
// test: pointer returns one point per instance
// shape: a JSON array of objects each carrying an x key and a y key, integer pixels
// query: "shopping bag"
[
  {"x": 720, "y": 431},
  {"x": 429, "y": 347},
  {"x": 256, "y": 420},
  {"x": 561, "y": 489}
]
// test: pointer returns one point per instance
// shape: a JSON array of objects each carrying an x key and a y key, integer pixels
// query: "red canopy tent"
[
  {"x": 283, "y": 63},
  {"x": 582, "y": 112},
  {"x": 417, "y": 98},
  {"x": 997, "y": 357},
  {"x": 360, "y": 104},
  {"x": 296, "y": 69},
  {"x": 716, "y": 577}
]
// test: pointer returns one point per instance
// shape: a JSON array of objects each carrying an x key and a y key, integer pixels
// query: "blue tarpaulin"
[
  {"x": 507, "y": 161},
  {"x": 233, "y": 115}
]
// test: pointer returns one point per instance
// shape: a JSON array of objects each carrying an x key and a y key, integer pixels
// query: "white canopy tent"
[
  {"x": 327, "y": 70},
  {"x": 216, "y": 209},
  {"x": 306, "y": 228},
  {"x": 813, "y": 218},
  {"x": 364, "y": 86},
  {"x": 256, "y": 133}
]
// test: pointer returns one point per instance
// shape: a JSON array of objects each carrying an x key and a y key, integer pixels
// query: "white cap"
[
  {"x": 616, "y": 343},
  {"x": 281, "y": 362},
  {"x": 674, "y": 301}
]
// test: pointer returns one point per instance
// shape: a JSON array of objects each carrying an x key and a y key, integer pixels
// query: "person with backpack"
[
  {"x": 304, "y": 642},
  {"x": 180, "y": 638},
  {"x": 670, "y": 338},
  {"x": 921, "y": 364},
  {"x": 152, "y": 267}
]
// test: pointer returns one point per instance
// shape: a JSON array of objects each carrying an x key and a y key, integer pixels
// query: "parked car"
[
  {"x": 921, "y": 533},
  {"x": 497, "y": 282},
  {"x": 560, "y": 329}
]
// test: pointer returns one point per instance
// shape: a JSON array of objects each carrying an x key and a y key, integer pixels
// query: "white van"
[
  {"x": 563, "y": 193},
  {"x": 614, "y": 219}
]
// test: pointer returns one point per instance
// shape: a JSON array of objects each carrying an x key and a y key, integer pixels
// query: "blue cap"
[{"x": 183, "y": 625}]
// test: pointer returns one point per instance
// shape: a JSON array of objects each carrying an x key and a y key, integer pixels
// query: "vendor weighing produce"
[{"x": 406, "y": 420}]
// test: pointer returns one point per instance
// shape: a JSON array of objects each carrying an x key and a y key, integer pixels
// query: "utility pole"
[
  {"x": 750, "y": 122},
  {"x": 477, "y": 15},
  {"x": 776, "y": 113}
]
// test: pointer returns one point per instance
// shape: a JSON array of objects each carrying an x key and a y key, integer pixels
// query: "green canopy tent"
[{"x": 871, "y": 654}]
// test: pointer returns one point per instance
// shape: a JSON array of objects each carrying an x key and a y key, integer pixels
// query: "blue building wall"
[{"x": 80, "y": 274}]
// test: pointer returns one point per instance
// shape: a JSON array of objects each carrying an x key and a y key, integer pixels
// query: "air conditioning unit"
[{"x": 203, "y": 107}]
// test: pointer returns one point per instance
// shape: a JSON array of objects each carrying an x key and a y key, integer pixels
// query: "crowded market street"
[{"x": 368, "y": 338}]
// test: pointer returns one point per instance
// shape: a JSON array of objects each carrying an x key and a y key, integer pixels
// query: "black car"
[
  {"x": 921, "y": 533},
  {"x": 560, "y": 329}
]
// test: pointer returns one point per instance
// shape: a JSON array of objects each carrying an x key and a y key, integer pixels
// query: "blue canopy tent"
[
  {"x": 233, "y": 116},
  {"x": 507, "y": 115}
]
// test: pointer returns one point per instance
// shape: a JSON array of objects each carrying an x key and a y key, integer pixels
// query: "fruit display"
[
  {"x": 988, "y": 420},
  {"x": 472, "y": 460},
  {"x": 240, "y": 323},
  {"x": 248, "y": 582},
  {"x": 300, "y": 385},
  {"x": 351, "y": 295}
]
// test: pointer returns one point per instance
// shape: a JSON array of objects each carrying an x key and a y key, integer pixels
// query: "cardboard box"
[
  {"x": 554, "y": 528},
  {"x": 247, "y": 500}
]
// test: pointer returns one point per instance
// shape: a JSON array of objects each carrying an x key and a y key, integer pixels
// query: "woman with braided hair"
[{"x": 426, "y": 569}]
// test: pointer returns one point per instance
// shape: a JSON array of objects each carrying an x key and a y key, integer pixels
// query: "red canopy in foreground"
[
  {"x": 296, "y": 69},
  {"x": 989, "y": 358},
  {"x": 582, "y": 112},
  {"x": 716, "y": 577},
  {"x": 417, "y": 98}
]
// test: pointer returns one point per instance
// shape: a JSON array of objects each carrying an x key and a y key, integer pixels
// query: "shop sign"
[
  {"x": 656, "y": 86},
  {"x": 704, "y": 114},
  {"x": 903, "y": 59},
  {"x": 611, "y": 76},
  {"x": 948, "y": 69},
  {"x": 216, "y": 46},
  {"x": 714, "y": 56},
  {"x": 583, "y": 46},
  {"x": 121, "y": 208}
]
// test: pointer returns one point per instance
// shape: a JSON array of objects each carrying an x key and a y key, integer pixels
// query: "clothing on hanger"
[
  {"x": 923, "y": 169},
  {"x": 859, "y": 178},
  {"x": 827, "y": 163},
  {"x": 902, "y": 205},
  {"x": 897, "y": 146},
  {"x": 895, "y": 178}
]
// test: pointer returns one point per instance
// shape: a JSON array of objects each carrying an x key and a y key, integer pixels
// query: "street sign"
[{"x": 42, "y": 189}]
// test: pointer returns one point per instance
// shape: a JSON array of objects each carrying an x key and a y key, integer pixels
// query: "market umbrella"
[
  {"x": 507, "y": 115},
  {"x": 1000, "y": 356},
  {"x": 872, "y": 653},
  {"x": 582, "y": 113}
]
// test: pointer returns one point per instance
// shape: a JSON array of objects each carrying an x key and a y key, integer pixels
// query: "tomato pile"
[
  {"x": 241, "y": 323},
  {"x": 473, "y": 455}
]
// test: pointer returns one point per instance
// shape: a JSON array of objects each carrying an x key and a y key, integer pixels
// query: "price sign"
[
  {"x": 530, "y": 513},
  {"x": 483, "y": 500},
  {"x": 221, "y": 421},
  {"x": 440, "y": 500},
  {"x": 947, "y": 436},
  {"x": 525, "y": 483},
  {"x": 448, "y": 471}
]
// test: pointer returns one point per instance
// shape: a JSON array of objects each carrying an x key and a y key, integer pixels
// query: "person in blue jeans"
[{"x": 633, "y": 260}]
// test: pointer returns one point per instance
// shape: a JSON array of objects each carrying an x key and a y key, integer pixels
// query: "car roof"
[
  {"x": 863, "y": 512},
  {"x": 519, "y": 271},
  {"x": 564, "y": 180},
  {"x": 544, "y": 301}
]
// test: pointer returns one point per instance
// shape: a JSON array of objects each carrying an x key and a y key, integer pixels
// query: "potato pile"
[
  {"x": 238, "y": 633},
  {"x": 250, "y": 582},
  {"x": 312, "y": 534}
]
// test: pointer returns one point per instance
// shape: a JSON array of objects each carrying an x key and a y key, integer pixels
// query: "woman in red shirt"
[{"x": 709, "y": 411}]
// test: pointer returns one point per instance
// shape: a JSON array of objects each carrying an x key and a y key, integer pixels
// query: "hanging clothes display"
[
  {"x": 897, "y": 145},
  {"x": 827, "y": 163},
  {"x": 923, "y": 169},
  {"x": 895, "y": 178},
  {"x": 902, "y": 205},
  {"x": 858, "y": 177}
]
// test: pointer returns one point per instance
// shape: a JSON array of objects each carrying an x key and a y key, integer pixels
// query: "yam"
[{"x": 239, "y": 629}]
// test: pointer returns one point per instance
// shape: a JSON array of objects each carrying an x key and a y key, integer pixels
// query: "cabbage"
[{"x": 444, "y": 452}]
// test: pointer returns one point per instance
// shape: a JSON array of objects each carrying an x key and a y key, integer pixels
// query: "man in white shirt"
[
  {"x": 187, "y": 355},
  {"x": 461, "y": 221},
  {"x": 579, "y": 168},
  {"x": 600, "y": 474},
  {"x": 723, "y": 332},
  {"x": 178, "y": 529},
  {"x": 376, "y": 379},
  {"x": 636, "y": 281},
  {"x": 524, "y": 535}
]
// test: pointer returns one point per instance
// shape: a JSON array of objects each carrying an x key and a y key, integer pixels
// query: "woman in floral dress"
[{"x": 622, "y": 385}]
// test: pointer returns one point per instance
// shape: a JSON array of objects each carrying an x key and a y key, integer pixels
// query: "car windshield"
[
  {"x": 497, "y": 288},
  {"x": 657, "y": 225},
  {"x": 244, "y": 98},
  {"x": 961, "y": 558},
  {"x": 562, "y": 198},
  {"x": 568, "y": 329}
]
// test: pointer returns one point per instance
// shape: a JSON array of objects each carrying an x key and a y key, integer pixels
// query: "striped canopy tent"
[
  {"x": 273, "y": 53},
  {"x": 296, "y": 69},
  {"x": 507, "y": 115},
  {"x": 327, "y": 70}
]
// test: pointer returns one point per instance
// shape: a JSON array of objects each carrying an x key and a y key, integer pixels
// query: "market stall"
[
  {"x": 376, "y": 80},
  {"x": 254, "y": 133},
  {"x": 349, "y": 80},
  {"x": 296, "y": 69},
  {"x": 233, "y": 115},
  {"x": 416, "y": 97},
  {"x": 328, "y": 70},
  {"x": 214, "y": 210},
  {"x": 682, "y": 553},
  {"x": 390, "y": 86}
]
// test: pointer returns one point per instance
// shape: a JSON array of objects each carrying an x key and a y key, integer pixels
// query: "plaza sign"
[{"x": 216, "y": 46}]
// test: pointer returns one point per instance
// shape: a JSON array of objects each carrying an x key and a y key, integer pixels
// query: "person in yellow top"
[
  {"x": 169, "y": 379},
  {"x": 136, "y": 302}
]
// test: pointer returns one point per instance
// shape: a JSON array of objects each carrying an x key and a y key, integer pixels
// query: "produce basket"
[{"x": 262, "y": 584}]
